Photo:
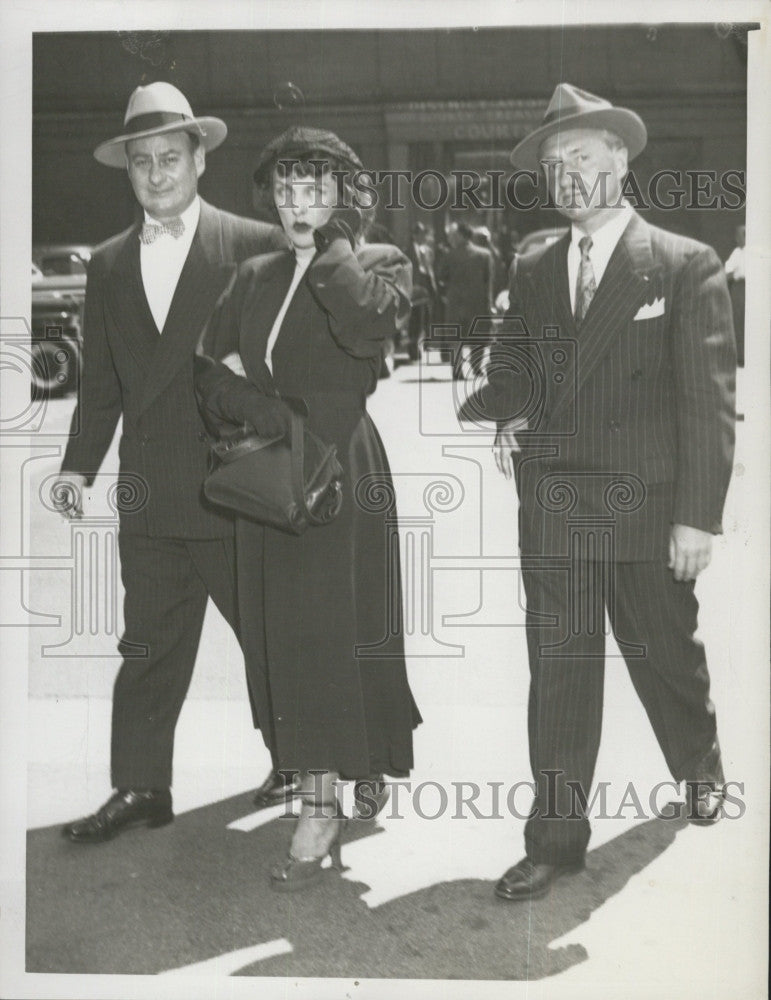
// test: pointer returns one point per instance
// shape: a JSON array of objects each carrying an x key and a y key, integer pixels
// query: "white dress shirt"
[
  {"x": 603, "y": 244},
  {"x": 302, "y": 260},
  {"x": 162, "y": 262}
]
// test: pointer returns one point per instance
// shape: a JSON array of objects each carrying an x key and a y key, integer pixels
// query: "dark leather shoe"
[
  {"x": 527, "y": 880},
  {"x": 704, "y": 802},
  {"x": 705, "y": 789},
  {"x": 126, "y": 808},
  {"x": 276, "y": 789},
  {"x": 370, "y": 796}
]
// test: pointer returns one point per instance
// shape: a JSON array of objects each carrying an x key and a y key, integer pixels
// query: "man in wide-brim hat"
[
  {"x": 621, "y": 498},
  {"x": 150, "y": 290}
]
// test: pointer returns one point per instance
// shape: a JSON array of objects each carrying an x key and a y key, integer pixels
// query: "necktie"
[
  {"x": 586, "y": 286},
  {"x": 151, "y": 230}
]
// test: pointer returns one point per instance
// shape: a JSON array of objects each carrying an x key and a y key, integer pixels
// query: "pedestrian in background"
[{"x": 467, "y": 278}]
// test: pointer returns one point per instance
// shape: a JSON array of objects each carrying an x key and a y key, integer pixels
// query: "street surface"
[{"x": 663, "y": 909}]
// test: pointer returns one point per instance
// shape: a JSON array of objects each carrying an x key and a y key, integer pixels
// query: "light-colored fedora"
[
  {"x": 571, "y": 108},
  {"x": 154, "y": 110}
]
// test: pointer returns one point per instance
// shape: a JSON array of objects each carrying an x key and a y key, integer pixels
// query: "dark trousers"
[
  {"x": 475, "y": 347},
  {"x": 653, "y": 618},
  {"x": 167, "y": 582}
]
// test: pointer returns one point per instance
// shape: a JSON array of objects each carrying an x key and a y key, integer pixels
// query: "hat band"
[{"x": 154, "y": 119}]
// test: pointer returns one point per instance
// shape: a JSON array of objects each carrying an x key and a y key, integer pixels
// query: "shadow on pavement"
[{"x": 153, "y": 901}]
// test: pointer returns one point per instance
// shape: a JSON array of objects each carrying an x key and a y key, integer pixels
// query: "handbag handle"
[{"x": 297, "y": 452}]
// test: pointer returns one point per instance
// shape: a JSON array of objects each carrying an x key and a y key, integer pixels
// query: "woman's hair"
[{"x": 309, "y": 163}]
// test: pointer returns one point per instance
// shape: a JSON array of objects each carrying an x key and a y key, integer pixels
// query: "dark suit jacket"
[
  {"x": 468, "y": 274},
  {"x": 130, "y": 369},
  {"x": 421, "y": 256},
  {"x": 632, "y": 418}
]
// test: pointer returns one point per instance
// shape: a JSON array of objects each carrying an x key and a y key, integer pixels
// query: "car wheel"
[{"x": 55, "y": 368}]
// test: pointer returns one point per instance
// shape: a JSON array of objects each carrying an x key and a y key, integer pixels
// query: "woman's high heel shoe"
[
  {"x": 293, "y": 873},
  {"x": 370, "y": 796}
]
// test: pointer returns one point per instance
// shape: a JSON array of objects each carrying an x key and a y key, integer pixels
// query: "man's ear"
[
  {"x": 622, "y": 161},
  {"x": 199, "y": 156}
]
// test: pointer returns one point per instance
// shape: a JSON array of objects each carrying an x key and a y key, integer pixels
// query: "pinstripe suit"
[
  {"x": 630, "y": 432},
  {"x": 175, "y": 550}
]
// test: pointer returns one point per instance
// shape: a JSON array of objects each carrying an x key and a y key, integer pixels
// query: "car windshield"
[{"x": 62, "y": 263}]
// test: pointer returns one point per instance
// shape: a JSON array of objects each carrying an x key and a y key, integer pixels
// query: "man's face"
[
  {"x": 584, "y": 171},
  {"x": 164, "y": 173}
]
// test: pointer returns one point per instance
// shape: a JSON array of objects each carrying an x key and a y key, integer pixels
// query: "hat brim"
[
  {"x": 212, "y": 132},
  {"x": 627, "y": 125}
]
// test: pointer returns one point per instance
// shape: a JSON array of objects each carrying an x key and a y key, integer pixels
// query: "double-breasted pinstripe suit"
[
  {"x": 630, "y": 430},
  {"x": 175, "y": 550}
]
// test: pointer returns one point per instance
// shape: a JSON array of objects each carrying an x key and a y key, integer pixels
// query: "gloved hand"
[
  {"x": 268, "y": 416},
  {"x": 344, "y": 222}
]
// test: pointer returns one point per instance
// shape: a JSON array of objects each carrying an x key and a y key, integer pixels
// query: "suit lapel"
[
  {"x": 128, "y": 303},
  {"x": 625, "y": 285},
  {"x": 551, "y": 281},
  {"x": 203, "y": 279},
  {"x": 271, "y": 292},
  {"x": 551, "y": 309}
]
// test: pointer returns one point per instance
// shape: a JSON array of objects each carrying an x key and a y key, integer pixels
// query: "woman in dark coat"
[{"x": 325, "y": 664}]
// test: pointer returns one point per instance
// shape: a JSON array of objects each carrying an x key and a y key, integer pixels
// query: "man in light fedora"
[
  {"x": 621, "y": 473},
  {"x": 150, "y": 290}
]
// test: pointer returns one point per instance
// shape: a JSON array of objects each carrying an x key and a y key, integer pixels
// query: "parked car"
[
  {"x": 57, "y": 321},
  {"x": 61, "y": 258}
]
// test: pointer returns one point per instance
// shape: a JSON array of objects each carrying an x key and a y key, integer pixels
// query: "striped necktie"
[{"x": 586, "y": 286}]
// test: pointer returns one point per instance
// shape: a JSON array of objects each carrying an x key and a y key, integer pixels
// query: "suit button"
[
  {"x": 614, "y": 425},
  {"x": 202, "y": 436},
  {"x": 144, "y": 439},
  {"x": 637, "y": 373}
]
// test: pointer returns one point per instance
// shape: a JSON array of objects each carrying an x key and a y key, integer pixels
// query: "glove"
[
  {"x": 344, "y": 222},
  {"x": 266, "y": 415}
]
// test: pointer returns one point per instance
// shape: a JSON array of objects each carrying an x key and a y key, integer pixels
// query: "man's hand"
[
  {"x": 690, "y": 550},
  {"x": 67, "y": 494},
  {"x": 505, "y": 443}
]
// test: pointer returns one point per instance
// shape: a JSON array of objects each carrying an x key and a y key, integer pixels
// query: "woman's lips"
[{"x": 302, "y": 227}]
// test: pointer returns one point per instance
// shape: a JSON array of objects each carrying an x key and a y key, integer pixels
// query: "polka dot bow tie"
[{"x": 152, "y": 230}]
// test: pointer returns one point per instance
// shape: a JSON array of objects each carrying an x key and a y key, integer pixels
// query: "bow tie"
[{"x": 152, "y": 230}]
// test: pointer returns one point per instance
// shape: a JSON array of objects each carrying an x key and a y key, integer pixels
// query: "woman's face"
[{"x": 304, "y": 204}]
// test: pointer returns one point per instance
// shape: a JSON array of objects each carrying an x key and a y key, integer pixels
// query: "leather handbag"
[{"x": 289, "y": 485}]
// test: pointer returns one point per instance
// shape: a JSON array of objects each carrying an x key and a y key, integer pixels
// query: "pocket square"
[{"x": 650, "y": 310}]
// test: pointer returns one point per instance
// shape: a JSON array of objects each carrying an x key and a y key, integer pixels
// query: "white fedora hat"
[
  {"x": 571, "y": 108},
  {"x": 154, "y": 110}
]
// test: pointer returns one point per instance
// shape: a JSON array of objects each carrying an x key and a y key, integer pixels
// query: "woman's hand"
[{"x": 344, "y": 222}]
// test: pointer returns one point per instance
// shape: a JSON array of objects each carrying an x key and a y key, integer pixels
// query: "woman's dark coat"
[{"x": 311, "y": 605}]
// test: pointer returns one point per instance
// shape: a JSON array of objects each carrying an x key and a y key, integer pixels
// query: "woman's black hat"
[{"x": 297, "y": 142}]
